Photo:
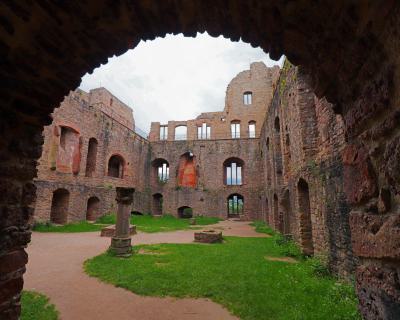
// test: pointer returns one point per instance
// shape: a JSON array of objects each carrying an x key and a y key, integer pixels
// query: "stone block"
[{"x": 208, "y": 236}]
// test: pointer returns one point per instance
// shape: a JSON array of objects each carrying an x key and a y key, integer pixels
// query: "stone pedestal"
[
  {"x": 121, "y": 241},
  {"x": 208, "y": 236}
]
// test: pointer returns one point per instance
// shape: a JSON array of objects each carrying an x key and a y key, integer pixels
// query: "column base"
[{"x": 121, "y": 246}]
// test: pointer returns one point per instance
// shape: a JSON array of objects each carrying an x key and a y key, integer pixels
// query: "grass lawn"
[
  {"x": 234, "y": 274},
  {"x": 145, "y": 223},
  {"x": 82, "y": 226},
  {"x": 148, "y": 223},
  {"x": 36, "y": 306}
]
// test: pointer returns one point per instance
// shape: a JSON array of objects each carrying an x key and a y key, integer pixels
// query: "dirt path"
[{"x": 55, "y": 268}]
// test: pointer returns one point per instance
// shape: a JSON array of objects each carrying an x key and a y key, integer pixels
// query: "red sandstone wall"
[
  {"x": 209, "y": 195},
  {"x": 55, "y": 168},
  {"x": 307, "y": 146}
]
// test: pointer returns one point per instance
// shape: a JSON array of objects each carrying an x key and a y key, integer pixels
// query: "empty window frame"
[
  {"x": 233, "y": 174},
  {"x": 247, "y": 97},
  {"x": 235, "y": 129},
  {"x": 252, "y": 129},
  {"x": 163, "y": 172},
  {"x": 163, "y": 133},
  {"x": 204, "y": 131},
  {"x": 180, "y": 132}
]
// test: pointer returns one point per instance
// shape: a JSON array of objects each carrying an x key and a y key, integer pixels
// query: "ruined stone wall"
[
  {"x": 305, "y": 145},
  {"x": 86, "y": 122},
  {"x": 259, "y": 80},
  {"x": 209, "y": 196}
]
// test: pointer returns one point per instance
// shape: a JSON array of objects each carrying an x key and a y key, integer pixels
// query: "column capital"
[{"x": 124, "y": 195}]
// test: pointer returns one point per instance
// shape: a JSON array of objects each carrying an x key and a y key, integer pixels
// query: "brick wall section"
[
  {"x": 209, "y": 196},
  {"x": 306, "y": 146},
  {"x": 113, "y": 137},
  {"x": 259, "y": 80}
]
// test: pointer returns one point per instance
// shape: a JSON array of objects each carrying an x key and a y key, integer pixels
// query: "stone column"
[{"x": 121, "y": 241}]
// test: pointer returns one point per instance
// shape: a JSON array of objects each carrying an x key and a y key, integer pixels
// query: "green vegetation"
[
  {"x": 36, "y": 306},
  {"x": 235, "y": 274},
  {"x": 145, "y": 223},
  {"x": 82, "y": 226},
  {"x": 148, "y": 223}
]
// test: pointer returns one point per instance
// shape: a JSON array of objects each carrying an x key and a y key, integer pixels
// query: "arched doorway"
[
  {"x": 286, "y": 228},
  {"x": 93, "y": 209},
  {"x": 116, "y": 167},
  {"x": 235, "y": 205},
  {"x": 277, "y": 222},
  {"x": 185, "y": 212},
  {"x": 91, "y": 158},
  {"x": 306, "y": 235},
  {"x": 157, "y": 209},
  {"x": 59, "y": 206}
]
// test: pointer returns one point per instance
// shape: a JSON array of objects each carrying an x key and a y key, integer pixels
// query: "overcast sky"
[{"x": 174, "y": 78}]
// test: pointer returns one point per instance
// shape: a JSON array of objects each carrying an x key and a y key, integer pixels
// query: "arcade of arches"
[{"x": 341, "y": 166}]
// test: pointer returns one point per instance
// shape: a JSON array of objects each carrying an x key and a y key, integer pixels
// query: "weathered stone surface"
[
  {"x": 359, "y": 177},
  {"x": 208, "y": 236},
  {"x": 375, "y": 236},
  {"x": 378, "y": 292}
]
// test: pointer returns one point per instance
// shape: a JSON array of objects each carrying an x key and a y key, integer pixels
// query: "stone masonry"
[{"x": 347, "y": 50}]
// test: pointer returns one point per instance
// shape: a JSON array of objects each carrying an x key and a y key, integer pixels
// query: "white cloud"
[{"x": 175, "y": 78}]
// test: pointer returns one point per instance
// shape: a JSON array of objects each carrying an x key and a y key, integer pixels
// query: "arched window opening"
[
  {"x": 306, "y": 236},
  {"x": 267, "y": 143},
  {"x": 116, "y": 167},
  {"x": 233, "y": 172},
  {"x": 247, "y": 98},
  {"x": 187, "y": 173},
  {"x": 157, "y": 204},
  {"x": 93, "y": 209},
  {"x": 277, "y": 125},
  {"x": 235, "y": 205},
  {"x": 91, "y": 158},
  {"x": 180, "y": 133},
  {"x": 204, "y": 132},
  {"x": 185, "y": 212},
  {"x": 161, "y": 169},
  {"x": 235, "y": 129},
  {"x": 252, "y": 129},
  {"x": 163, "y": 132},
  {"x": 59, "y": 206},
  {"x": 69, "y": 152}
]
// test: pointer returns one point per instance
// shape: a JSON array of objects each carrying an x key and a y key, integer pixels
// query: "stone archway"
[
  {"x": 157, "y": 207},
  {"x": 59, "y": 206},
  {"x": 306, "y": 234},
  {"x": 93, "y": 209},
  {"x": 360, "y": 76}
]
